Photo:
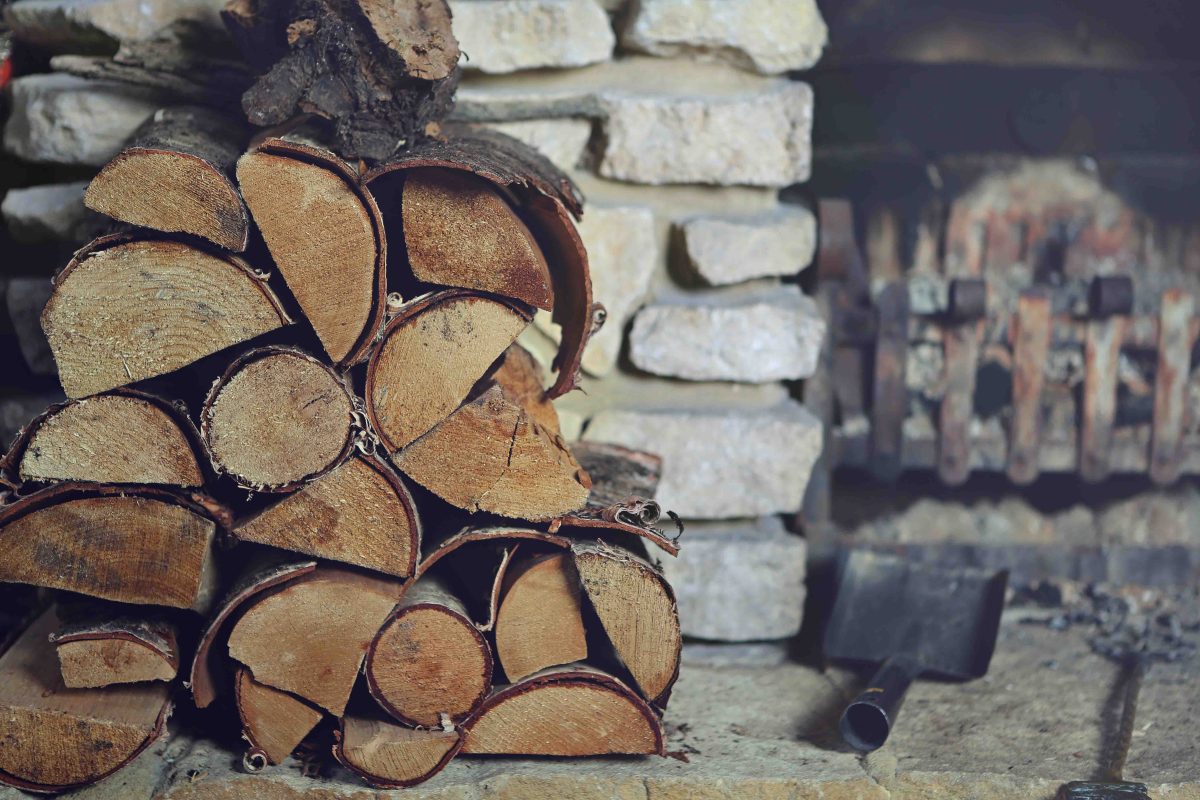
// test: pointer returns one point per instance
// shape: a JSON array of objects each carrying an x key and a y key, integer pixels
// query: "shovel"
[{"x": 915, "y": 620}]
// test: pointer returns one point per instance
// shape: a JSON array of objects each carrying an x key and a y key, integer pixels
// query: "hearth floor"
[{"x": 767, "y": 732}]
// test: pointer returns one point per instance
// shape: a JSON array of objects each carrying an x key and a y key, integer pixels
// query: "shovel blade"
[{"x": 946, "y": 619}]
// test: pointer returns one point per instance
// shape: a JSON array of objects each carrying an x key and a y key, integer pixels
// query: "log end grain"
[{"x": 539, "y": 623}]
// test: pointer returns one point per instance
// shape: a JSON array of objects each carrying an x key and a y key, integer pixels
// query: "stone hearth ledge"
[{"x": 767, "y": 733}]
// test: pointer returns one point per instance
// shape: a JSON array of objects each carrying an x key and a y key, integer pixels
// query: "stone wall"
[{"x": 681, "y": 120}]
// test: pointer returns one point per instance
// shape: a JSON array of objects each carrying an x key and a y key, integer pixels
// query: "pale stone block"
[
  {"x": 722, "y": 464},
  {"x": 761, "y": 337},
  {"x": 50, "y": 213},
  {"x": 768, "y": 36},
  {"x": 725, "y": 250},
  {"x": 510, "y": 35}
]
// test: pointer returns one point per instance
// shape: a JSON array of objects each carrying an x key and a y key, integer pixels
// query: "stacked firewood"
[{"x": 304, "y": 454}]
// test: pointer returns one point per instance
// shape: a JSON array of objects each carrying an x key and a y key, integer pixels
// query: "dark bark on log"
[
  {"x": 191, "y": 79},
  {"x": 380, "y": 74},
  {"x": 617, "y": 472}
]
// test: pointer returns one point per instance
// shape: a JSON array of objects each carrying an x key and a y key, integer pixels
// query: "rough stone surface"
[
  {"x": 539, "y": 94},
  {"x": 725, "y": 250},
  {"x": 26, "y": 297},
  {"x": 510, "y": 35},
  {"x": 62, "y": 119},
  {"x": 85, "y": 26},
  {"x": 768, "y": 36},
  {"x": 623, "y": 254},
  {"x": 770, "y": 733},
  {"x": 739, "y": 582},
  {"x": 50, "y": 213},
  {"x": 760, "y": 139},
  {"x": 723, "y": 464},
  {"x": 563, "y": 141},
  {"x": 764, "y": 336}
]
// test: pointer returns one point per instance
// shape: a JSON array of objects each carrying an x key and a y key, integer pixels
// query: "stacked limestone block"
[{"x": 680, "y": 123}]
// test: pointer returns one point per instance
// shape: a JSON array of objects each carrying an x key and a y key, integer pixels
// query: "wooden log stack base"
[
  {"x": 57, "y": 738},
  {"x": 339, "y": 439}
]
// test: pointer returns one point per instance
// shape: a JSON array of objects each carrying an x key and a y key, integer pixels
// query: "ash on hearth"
[{"x": 1126, "y": 624}]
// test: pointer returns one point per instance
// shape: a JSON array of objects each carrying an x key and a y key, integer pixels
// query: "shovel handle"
[{"x": 867, "y": 721}]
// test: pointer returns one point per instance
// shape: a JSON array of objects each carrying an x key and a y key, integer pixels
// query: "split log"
[
  {"x": 273, "y": 722},
  {"x": 123, "y": 437},
  {"x": 389, "y": 756},
  {"x": 325, "y": 235},
  {"x": 618, "y": 473},
  {"x": 174, "y": 176},
  {"x": 460, "y": 231},
  {"x": 490, "y": 455},
  {"x": 56, "y": 738},
  {"x": 545, "y": 200},
  {"x": 130, "y": 545},
  {"x": 101, "y": 645},
  {"x": 309, "y": 636},
  {"x": 278, "y": 417},
  {"x": 129, "y": 308},
  {"x": 572, "y": 711},
  {"x": 520, "y": 377},
  {"x": 380, "y": 71},
  {"x": 431, "y": 355},
  {"x": 540, "y": 621},
  {"x": 360, "y": 513},
  {"x": 429, "y": 665},
  {"x": 263, "y": 573},
  {"x": 638, "y": 612}
]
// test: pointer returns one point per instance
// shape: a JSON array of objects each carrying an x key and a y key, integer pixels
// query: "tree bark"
[{"x": 380, "y": 72}]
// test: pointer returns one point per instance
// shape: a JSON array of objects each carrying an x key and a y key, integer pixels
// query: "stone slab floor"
[{"x": 768, "y": 733}]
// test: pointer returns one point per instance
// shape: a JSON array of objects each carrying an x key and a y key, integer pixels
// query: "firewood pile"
[{"x": 305, "y": 469}]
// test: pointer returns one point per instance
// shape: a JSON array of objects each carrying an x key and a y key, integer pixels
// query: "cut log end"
[
  {"x": 100, "y": 646},
  {"x": 171, "y": 192},
  {"x": 324, "y": 234},
  {"x": 278, "y": 417},
  {"x": 637, "y": 610},
  {"x": 55, "y": 738},
  {"x": 118, "y": 438},
  {"x": 523, "y": 382},
  {"x": 389, "y": 756},
  {"x": 570, "y": 712},
  {"x": 540, "y": 620},
  {"x": 460, "y": 231},
  {"x": 132, "y": 547},
  {"x": 432, "y": 354},
  {"x": 309, "y": 637},
  {"x": 429, "y": 664},
  {"x": 359, "y": 513},
  {"x": 129, "y": 309},
  {"x": 275, "y": 722},
  {"x": 489, "y": 455}
]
